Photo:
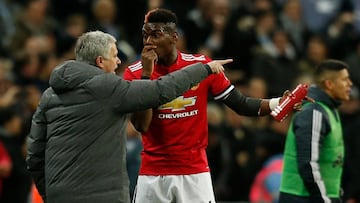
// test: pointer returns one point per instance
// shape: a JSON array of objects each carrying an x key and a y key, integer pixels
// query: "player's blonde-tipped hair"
[
  {"x": 160, "y": 15},
  {"x": 146, "y": 20}
]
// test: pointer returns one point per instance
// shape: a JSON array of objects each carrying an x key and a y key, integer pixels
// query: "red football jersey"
[{"x": 178, "y": 135}]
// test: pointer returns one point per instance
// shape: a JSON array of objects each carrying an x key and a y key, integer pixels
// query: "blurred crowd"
[{"x": 275, "y": 44}]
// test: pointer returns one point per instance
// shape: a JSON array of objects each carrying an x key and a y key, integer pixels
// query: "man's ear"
[
  {"x": 328, "y": 84},
  {"x": 99, "y": 62}
]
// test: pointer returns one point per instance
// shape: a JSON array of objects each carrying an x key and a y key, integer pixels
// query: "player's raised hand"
[{"x": 148, "y": 59}]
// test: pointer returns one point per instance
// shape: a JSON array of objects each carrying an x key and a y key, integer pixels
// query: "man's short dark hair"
[
  {"x": 330, "y": 65},
  {"x": 160, "y": 15}
]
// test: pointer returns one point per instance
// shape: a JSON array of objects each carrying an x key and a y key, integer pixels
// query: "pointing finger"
[{"x": 225, "y": 61}]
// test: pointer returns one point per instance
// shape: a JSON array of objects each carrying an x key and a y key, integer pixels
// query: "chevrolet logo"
[{"x": 179, "y": 103}]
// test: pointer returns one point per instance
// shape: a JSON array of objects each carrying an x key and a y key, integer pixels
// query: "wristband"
[
  {"x": 273, "y": 103},
  {"x": 144, "y": 77}
]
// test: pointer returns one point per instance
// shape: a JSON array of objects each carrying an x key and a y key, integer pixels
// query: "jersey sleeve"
[
  {"x": 220, "y": 86},
  {"x": 133, "y": 71}
]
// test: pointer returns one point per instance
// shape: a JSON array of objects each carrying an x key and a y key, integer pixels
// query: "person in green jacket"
[{"x": 314, "y": 150}]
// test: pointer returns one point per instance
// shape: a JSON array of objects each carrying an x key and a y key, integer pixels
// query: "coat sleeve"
[
  {"x": 36, "y": 144},
  {"x": 130, "y": 96},
  {"x": 310, "y": 127}
]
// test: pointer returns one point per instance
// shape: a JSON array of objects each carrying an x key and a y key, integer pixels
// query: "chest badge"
[{"x": 179, "y": 103}]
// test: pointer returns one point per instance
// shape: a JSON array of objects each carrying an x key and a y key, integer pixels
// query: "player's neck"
[{"x": 169, "y": 59}]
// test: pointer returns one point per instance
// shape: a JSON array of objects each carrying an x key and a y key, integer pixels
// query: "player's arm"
[
  {"x": 142, "y": 119},
  {"x": 241, "y": 104},
  {"x": 249, "y": 106}
]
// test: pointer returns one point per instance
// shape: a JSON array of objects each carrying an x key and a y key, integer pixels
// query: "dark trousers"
[{"x": 289, "y": 198}]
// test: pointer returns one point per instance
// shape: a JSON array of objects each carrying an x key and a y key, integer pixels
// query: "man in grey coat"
[{"x": 76, "y": 147}]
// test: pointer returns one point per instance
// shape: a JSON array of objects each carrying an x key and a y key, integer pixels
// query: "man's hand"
[
  {"x": 297, "y": 106},
  {"x": 148, "y": 59},
  {"x": 217, "y": 65}
]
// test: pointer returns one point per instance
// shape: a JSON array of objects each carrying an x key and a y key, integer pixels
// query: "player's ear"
[{"x": 175, "y": 36}]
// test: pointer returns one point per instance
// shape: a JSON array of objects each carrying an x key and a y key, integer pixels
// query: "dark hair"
[
  {"x": 330, "y": 65},
  {"x": 160, "y": 15},
  {"x": 326, "y": 66}
]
